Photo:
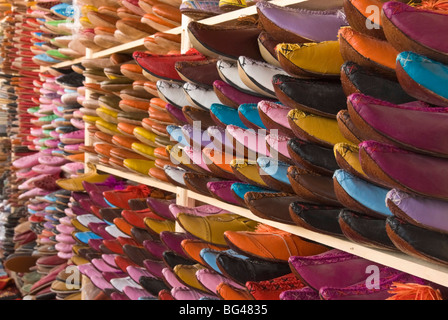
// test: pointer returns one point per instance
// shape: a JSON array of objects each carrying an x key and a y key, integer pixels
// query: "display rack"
[{"x": 436, "y": 273}]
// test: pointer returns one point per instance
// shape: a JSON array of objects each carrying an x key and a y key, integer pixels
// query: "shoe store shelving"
[
  {"x": 400, "y": 261},
  {"x": 415, "y": 266}
]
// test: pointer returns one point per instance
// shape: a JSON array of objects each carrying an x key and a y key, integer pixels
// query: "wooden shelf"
[
  {"x": 63, "y": 64},
  {"x": 137, "y": 178}
]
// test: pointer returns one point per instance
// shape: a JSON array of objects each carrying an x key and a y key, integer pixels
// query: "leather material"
[
  {"x": 247, "y": 171},
  {"x": 223, "y": 115},
  {"x": 221, "y": 142},
  {"x": 274, "y": 117},
  {"x": 369, "y": 115},
  {"x": 312, "y": 156},
  {"x": 409, "y": 208},
  {"x": 233, "y": 97},
  {"x": 316, "y": 26},
  {"x": 239, "y": 190},
  {"x": 161, "y": 207},
  {"x": 119, "y": 198},
  {"x": 173, "y": 240},
  {"x": 193, "y": 248},
  {"x": 197, "y": 182},
  {"x": 199, "y": 72},
  {"x": 274, "y": 173},
  {"x": 227, "y": 291},
  {"x": 272, "y": 289},
  {"x": 277, "y": 247},
  {"x": 136, "y": 218},
  {"x": 390, "y": 276},
  {"x": 203, "y": 210},
  {"x": 152, "y": 285},
  {"x": 422, "y": 78},
  {"x": 155, "y": 248},
  {"x": 221, "y": 191},
  {"x": 175, "y": 175},
  {"x": 415, "y": 241},
  {"x": 307, "y": 294},
  {"x": 171, "y": 279},
  {"x": 195, "y": 138},
  {"x": 372, "y": 53},
  {"x": 365, "y": 230},
  {"x": 173, "y": 259},
  {"x": 271, "y": 205},
  {"x": 312, "y": 187},
  {"x": 229, "y": 73},
  {"x": 347, "y": 157},
  {"x": 176, "y": 115},
  {"x": 322, "y": 219},
  {"x": 218, "y": 223},
  {"x": 187, "y": 275},
  {"x": 379, "y": 162},
  {"x": 226, "y": 41},
  {"x": 321, "y": 97},
  {"x": 347, "y": 128},
  {"x": 172, "y": 92},
  {"x": 315, "y": 60},
  {"x": 278, "y": 145},
  {"x": 196, "y": 160},
  {"x": 316, "y": 129},
  {"x": 420, "y": 36},
  {"x": 218, "y": 163},
  {"x": 210, "y": 280},
  {"x": 359, "y": 18},
  {"x": 156, "y": 226},
  {"x": 360, "y": 195},
  {"x": 193, "y": 114},
  {"x": 200, "y": 96},
  {"x": 247, "y": 142},
  {"x": 257, "y": 75},
  {"x": 249, "y": 115},
  {"x": 242, "y": 269},
  {"x": 351, "y": 269}
]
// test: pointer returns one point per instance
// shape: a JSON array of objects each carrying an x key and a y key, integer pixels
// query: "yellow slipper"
[
  {"x": 107, "y": 115},
  {"x": 107, "y": 127},
  {"x": 138, "y": 165},
  {"x": 178, "y": 156},
  {"x": 347, "y": 157},
  {"x": 311, "y": 59},
  {"x": 247, "y": 171},
  {"x": 75, "y": 184},
  {"x": 310, "y": 127},
  {"x": 187, "y": 275},
  {"x": 157, "y": 226},
  {"x": 144, "y": 150},
  {"x": 145, "y": 136}
]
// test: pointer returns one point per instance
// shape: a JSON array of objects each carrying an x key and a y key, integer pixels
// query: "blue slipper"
[
  {"x": 239, "y": 189},
  {"x": 63, "y": 10},
  {"x": 423, "y": 78},
  {"x": 176, "y": 134},
  {"x": 360, "y": 195},
  {"x": 84, "y": 237},
  {"x": 209, "y": 256},
  {"x": 250, "y": 116},
  {"x": 224, "y": 115},
  {"x": 275, "y": 173}
]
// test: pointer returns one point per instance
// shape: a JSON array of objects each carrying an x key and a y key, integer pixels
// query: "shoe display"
[{"x": 223, "y": 150}]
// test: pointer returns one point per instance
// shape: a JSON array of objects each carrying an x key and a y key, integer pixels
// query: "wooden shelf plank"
[
  {"x": 130, "y": 46},
  {"x": 137, "y": 178},
  {"x": 63, "y": 64}
]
